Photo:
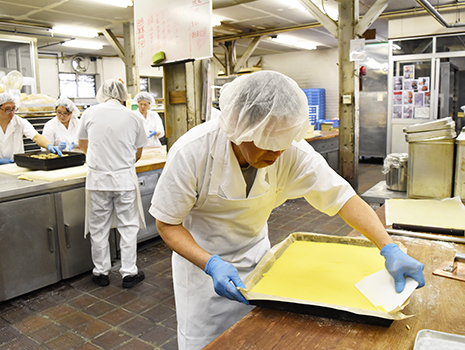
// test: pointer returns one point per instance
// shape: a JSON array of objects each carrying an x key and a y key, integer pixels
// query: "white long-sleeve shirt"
[
  {"x": 151, "y": 123},
  {"x": 11, "y": 141}
]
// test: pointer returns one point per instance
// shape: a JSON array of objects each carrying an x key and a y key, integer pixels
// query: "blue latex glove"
[
  {"x": 223, "y": 273},
  {"x": 62, "y": 145},
  {"x": 152, "y": 133},
  {"x": 400, "y": 265},
  {"x": 54, "y": 149},
  {"x": 6, "y": 161},
  {"x": 73, "y": 146}
]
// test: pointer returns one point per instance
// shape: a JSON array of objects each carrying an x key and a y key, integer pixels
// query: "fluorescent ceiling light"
[
  {"x": 119, "y": 3},
  {"x": 294, "y": 42},
  {"x": 216, "y": 22},
  {"x": 293, "y": 4},
  {"x": 83, "y": 44},
  {"x": 74, "y": 32}
]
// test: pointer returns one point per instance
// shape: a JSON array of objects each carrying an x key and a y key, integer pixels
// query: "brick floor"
[{"x": 77, "y": 314}]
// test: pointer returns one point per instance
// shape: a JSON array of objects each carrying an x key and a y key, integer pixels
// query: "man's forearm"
[
  {"x": 360, "y": 216},
  {"x": 178, "y": 238}
]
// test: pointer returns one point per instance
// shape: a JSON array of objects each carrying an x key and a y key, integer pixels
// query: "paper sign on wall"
[{"x": 181, "y": 29}]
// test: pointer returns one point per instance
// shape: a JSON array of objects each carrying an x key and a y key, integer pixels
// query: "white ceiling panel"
[
  {"x": 242, "y": 17},
  {"x": 8, "y": 10}
]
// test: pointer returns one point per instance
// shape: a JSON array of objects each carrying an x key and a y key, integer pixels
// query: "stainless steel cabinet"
[
  {"x": 147, "y": 183},
  {"x": 29, "y": 257},
  {"x": 329, "y": 149},
  {"x": 75, "y": 253}
]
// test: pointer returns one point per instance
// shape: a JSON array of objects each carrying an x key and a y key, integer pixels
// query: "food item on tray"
[
  {"x": 47, "y": 156},
  {"x": 37, "y": 99}
]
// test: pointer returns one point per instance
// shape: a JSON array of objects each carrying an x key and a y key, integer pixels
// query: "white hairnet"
[
  {"x": 6, "y": 97},
  {"x": 144, "y": 96},
  {"x": 265, "y": 107},
  {"x": 112, "y": 89},
  {"x": 69, "y": 105}
]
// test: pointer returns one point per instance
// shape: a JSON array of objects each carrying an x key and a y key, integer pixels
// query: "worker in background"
[
  {"x": 12, "y": 130},
  {"x": 153, "y": 124},
  {"x": 221, "y": 181},
  {"x": 112, "y": 136},
  {"x": 61, "y": 130}
]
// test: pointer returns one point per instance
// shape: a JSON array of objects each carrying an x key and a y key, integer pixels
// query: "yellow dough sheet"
[
  {"x": 322, "y": 272},
  {"x": 318, "y": 270},
  {"x": 446, "y": 213}
]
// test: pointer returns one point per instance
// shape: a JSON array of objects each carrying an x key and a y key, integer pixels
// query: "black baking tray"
[
  {"x": 321, "y": 311},
  {"x": 25, "y": 160}
]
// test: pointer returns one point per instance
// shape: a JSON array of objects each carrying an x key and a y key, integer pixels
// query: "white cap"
[
  {"x": 69, "y": 105},
  {"x": 112, "y": 89},
  {"x": 144, "y": 96},
  {"x": 265, "y": 107},
  {"x": 6, "y": 97}
]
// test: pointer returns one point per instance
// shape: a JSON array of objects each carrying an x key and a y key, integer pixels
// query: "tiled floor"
[{"x": 76, "y": 314}]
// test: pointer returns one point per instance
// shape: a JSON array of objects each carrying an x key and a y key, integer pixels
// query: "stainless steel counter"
[
  {"x": 379, "y": 193},
  {"x": 48, "y": 218},
  {"x": 11, "y": 188}
]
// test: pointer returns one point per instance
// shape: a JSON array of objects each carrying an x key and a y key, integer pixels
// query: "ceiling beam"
[
  {"x": 323, "y": 18},
  {"x": 391, "y": 14},
  {"x": 114, "y": 43},
  {"x": 253, "y": 45},
  {"x": 372, "y": 15}
]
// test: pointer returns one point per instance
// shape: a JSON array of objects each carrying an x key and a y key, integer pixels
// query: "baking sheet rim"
[
  {"x": 423, "y": 334},
  {"x": 276, "y": 251}
]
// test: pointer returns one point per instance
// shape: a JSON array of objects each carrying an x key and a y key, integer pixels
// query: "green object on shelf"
[{"x": 158, "y": 57}]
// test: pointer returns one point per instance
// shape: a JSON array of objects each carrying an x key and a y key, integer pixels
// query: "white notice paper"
[{"x": 380, "y": 290}]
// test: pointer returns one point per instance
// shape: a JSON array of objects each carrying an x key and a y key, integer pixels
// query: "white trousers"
[{"x": 103, "y": 206}]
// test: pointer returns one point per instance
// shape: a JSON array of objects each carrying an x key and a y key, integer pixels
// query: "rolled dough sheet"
[
  {"x": 447, "y": 213},
  {"x": 322, "y": 272},
  {"x": 13, "y": 169},
  {"x": 59, "y": 174}
]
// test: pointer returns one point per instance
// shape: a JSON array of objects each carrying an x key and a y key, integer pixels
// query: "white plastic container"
[
  {"x": 459, "y": 185},
  {"x": 430, "y": 169}
]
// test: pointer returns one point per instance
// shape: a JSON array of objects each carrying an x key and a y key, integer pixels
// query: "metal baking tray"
[
  {"x": 433, "y": 340},
  {"x": 72, "y": 159},
  {"x": 309, "y": 307}
]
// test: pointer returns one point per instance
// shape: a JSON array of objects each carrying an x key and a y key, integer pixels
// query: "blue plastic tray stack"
[{"x": 316, "y": 105}]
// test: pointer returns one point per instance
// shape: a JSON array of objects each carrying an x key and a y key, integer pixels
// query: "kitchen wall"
[
  {"x": 310, "y": 69},
  {"x": 105, "y": 68}
]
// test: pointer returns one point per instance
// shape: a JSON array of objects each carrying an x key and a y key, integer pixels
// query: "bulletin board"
[
  {"x": 411, "y": 96},
  {"x": 181, "y": 29}
]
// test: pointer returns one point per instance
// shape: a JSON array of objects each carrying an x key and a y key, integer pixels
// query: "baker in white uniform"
[
  {"x": 153, "y": 124},
  {"x": 112, "y": 136},
  {"x": 61, "y": 130},
  {"x": 221, "y": 181},
  {"x": 12, "y": 130}
]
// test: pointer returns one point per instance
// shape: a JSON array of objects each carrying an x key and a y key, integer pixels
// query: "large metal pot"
[{"x": 395, "y": 168}]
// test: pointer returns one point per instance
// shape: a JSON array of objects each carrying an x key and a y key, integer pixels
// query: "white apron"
[
  {"x": 114, "y": 222},
  {"x": 236, "y": 230}
]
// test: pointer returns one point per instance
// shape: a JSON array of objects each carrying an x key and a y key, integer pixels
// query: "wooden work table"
[
  {"x": 151, "y": 159},
  {"x": 439, "y": 306}
]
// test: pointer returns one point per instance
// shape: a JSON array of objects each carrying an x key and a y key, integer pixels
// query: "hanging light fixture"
[
  {"x": 83, "y": 44},
  {"x": 86, "y": 33},
  {"x": 292, "y": 41},
  {"x": 119, "y": 3}
]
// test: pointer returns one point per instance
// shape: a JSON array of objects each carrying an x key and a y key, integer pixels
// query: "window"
[
  {"x": 74, "y": 85},
  {"x": 144, "y": 84}
]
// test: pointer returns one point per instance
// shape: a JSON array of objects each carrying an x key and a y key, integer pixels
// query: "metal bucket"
[
  {"x": 395, "y": 168},
  {"x": 430, "y": 173}
]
